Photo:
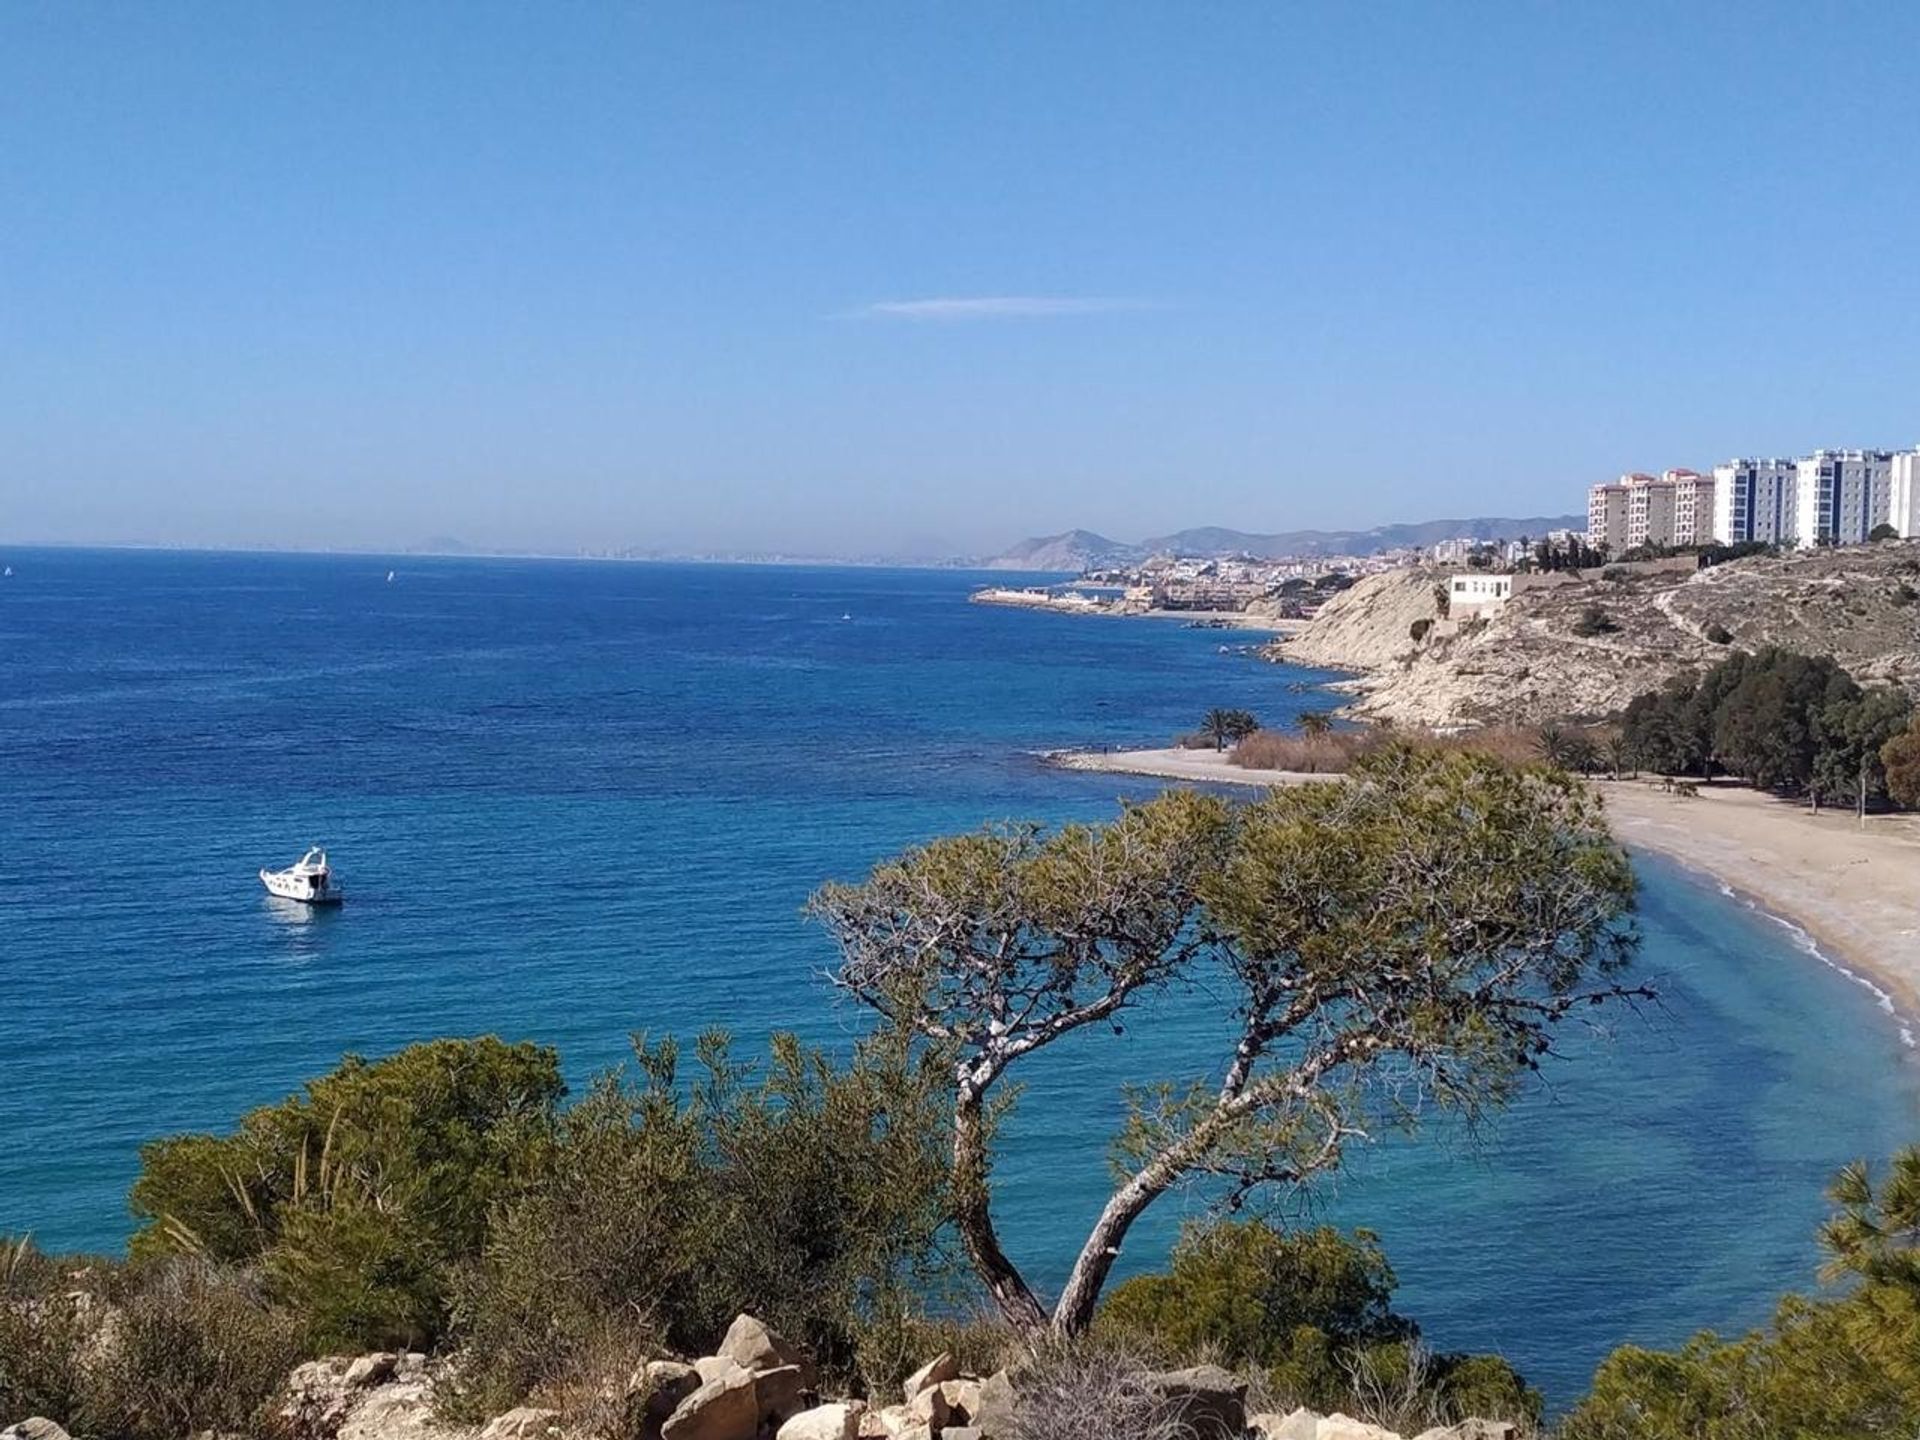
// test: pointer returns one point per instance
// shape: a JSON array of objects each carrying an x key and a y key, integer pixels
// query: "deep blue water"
[{"x": 576, "y": 800}]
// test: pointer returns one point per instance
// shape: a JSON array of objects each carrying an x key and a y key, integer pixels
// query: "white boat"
[{"x": 310, "y": 880}]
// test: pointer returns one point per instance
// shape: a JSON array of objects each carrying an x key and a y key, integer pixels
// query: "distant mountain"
[
  {"x": 1075, "y": 550},
  {"x": 1083, "y": 549}
]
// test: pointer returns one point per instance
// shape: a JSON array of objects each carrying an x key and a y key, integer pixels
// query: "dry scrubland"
[{"x": 1530, "y": 665}]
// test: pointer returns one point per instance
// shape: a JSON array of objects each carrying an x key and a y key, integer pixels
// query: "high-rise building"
[
  {"x": 1754, "y": 500},
  {"x": 1841, "y": 495},
  {"x": 1649, "y": 511},
  {"x": 1903, "y": 493},
  {"x": 1607, "y": 517},
  {"x": 1671, "y": 509},
  {"x": 1692, "y": 506}
]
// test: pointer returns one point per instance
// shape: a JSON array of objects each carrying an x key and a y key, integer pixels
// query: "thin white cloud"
[{"x": 999, "y": 307}]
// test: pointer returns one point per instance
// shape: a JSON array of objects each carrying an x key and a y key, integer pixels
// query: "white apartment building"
[
  {"x": 1754, "y": 500},
  {"x": 1903, "y": 493},
  {"x": 1841, "y": 495}
]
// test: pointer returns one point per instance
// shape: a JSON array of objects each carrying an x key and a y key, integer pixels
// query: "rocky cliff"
[{"x": 1543, "y": 657}]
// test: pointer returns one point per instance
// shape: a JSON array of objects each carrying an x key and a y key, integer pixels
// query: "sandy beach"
[
  {"x": 1854, "y": 889},
  {"x": 1209, "y": 767}
]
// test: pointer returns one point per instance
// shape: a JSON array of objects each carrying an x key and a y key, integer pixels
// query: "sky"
[{"x": 921, "y": 279}]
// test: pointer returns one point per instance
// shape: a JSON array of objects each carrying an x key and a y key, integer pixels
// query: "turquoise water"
[{"x": 576, "y": 800}]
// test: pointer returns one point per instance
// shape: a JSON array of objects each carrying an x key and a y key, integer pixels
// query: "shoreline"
[
  {"x": 1281, "y": 627},
  {"x": 1851, "y": 893}
]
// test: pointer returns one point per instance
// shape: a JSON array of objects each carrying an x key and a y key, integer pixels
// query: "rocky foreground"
[
  {"x": 759, "y": 1387},
  {"x": 1542, "y": 659}
]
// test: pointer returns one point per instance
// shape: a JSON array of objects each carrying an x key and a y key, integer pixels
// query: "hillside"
[
  {"x": 1527, "y": 664},
  {"x": 1079, "y": 549},
  {"x": 1068, "y": 553}
]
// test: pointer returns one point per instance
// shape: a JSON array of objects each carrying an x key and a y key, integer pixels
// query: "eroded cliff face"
[{"x": 1541, "y": 658}]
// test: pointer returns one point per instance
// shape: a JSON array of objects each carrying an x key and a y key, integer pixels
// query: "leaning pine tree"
[{"x": 1409, "y": 936}]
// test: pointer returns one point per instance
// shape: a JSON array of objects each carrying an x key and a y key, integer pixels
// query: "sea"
[{"x": 577, "y": 800}]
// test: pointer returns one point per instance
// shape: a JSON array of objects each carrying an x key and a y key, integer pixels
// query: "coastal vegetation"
[
  {"x": 1222, "y": 728},
  {"x": 1795, "y": 724}
]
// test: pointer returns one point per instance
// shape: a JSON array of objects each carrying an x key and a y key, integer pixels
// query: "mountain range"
[{"x": 1076, "y": 550}]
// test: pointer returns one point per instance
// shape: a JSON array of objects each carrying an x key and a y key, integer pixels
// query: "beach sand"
[
  {"x": 1209, "y": 767},
  {"x": 1855, "y": 889}
]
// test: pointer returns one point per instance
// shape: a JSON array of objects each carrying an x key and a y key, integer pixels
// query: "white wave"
[{"x": 1804, "y": 942}]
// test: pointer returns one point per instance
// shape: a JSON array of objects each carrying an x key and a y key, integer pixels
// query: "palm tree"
[
  {"x": 1228, "y": 727},
  {"x": 1315, "y": 723},
  {"x": 1616, "y": 754},
  {"x": 1555, "y": 745}
]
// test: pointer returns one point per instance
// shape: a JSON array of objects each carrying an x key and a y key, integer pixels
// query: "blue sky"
[{"x": 917, "y": 277}]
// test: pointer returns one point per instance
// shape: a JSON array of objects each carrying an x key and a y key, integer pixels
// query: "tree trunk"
[
  {"x": 973, "y": 1218},
  {"x": 1074, "y": 1313}
]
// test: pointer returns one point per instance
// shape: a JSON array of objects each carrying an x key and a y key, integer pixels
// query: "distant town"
[{"x": 1830, "y": 497}]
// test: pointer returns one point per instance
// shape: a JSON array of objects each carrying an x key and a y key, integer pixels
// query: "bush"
[
  {"x": 1330, "y": 753},
  {"x": 1846, "y": 1366},
  {"x": 196, "y": 1347},
  {"x": 44, "y": 1332},
  {"x": 811, "y": 1194},
  {"x": 1719, "y": 634},
  {"x": 1311, "y": 1313},
  {"x": 1594, "y": 621},
  {"x": 1418, "y": 630},
  {"x": 360, "y": 1196},
  {"x": 1093, "y": 1391}
]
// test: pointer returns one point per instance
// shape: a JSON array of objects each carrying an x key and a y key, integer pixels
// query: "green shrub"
[
  {"x": 360, "y": 1195},
  {"x": 1843, "y": 1367},
  {"x": 808, "y": 1193},
  {"x": 1311, "y": 1313}
]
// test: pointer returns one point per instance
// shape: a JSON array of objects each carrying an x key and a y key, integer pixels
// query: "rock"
[
  {"x": 780, "y": 1392},
  {"x": 409, "y": 1365},
  {"x": 1301, "y": 1424},
  {"x": 963, "y": 1432},
  {"x": 37, "y": 1427},
  {"x": 402, "y": 1409},
  {"x": 1213, "y": 1403},
  {"x": 839, "y": 1421},
  {"x": 664, "y": 1384},
  {"x": 1344, "y": 1427},
  {"x": 718, "y": 1367},
  {"x": 929, "y": 1407},
  {"x": 724, "y": 1408},
  {"x": 963, "y": 1400},
  {"x": 370, "y": 1370},
  {"x": 315, "y": 1401},
  {"x": 752, "y": 1346},
  {"x": 992, "y": 1413},
  {"x": 941, "y": 1368},
  {"x": 523, "y": 1422},
  {"x": 1475, "y": 1429}
]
